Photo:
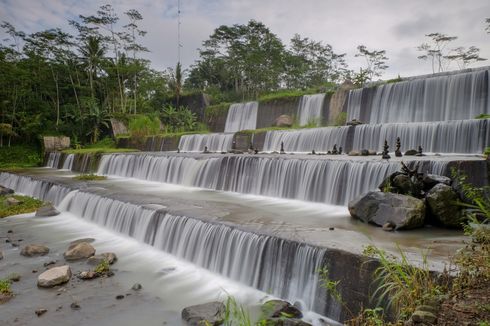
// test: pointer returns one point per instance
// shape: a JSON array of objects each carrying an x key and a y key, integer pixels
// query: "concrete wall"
[
  {"x": 150, "y": 144},
  {"x": 197, "y": 103},
  {"x": 55, "y": 143},
  {"x": 269, "y": 111}
]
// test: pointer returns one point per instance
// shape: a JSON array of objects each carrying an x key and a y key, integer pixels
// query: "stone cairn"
[
  {"x": 385, "y": 154},
  {"x": 334, "y": 150},
  {"x": 398, "y": 153},
  {"x": 419, "y": 151},
  {"x": 282, "y": 148}
]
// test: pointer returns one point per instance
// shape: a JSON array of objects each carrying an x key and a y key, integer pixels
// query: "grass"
[
  {"x": 90, "y": 177},
  {"x": 483, "y": 116},
  {"x": 216, "y": 110},
  {"x": 104, "y": 146},
  {"x": 19, "y": 156},
  {"x": 5, "y": 287},
  {"x": 27, "y": 205},
  {"x": 103, "y": 267},
  {"x": 283, "y": 95}
]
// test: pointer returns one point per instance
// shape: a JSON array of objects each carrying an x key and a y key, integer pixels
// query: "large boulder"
[
  {"x": 284, "y": 121},
  {"x": 404, "y": 212},
  {"x": 47, "y": 210},
  {"x": 279, "y": 308},
  {"x": 32, "y": 250},
  {"x": 54, "y": 276},
  {"x": 82, "y": 250},
  {"x": 204, "y": 314},
  {"x": 442, "y": 203},
  {"x": 5, "y": 191},
  {"x": 430, "y": 180}
]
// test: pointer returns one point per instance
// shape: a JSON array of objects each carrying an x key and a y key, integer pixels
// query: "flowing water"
[
  {"x": 319, "y": 180},
  {"x": 241, "y": 116},
  {"x": 214, "y": 142},
  {"x": 310, "y": 109},
  {"x": 454, "y": 96}
]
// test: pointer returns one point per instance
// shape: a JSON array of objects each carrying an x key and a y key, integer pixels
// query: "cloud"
[{"x": 396, "y": 26}]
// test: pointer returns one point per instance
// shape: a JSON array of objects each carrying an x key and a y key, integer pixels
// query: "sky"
[{"x": 397, "y": 26}]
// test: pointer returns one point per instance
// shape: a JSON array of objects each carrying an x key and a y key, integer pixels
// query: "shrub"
[
  {"x": 142, "y": 126},
  {"x": 5, "y": 287}
]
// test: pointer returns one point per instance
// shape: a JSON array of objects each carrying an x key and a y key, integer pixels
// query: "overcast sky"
[{"x": 396, "y": 26}]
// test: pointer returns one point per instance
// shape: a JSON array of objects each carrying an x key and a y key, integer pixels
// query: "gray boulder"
[
  {"x": 32, "y": 250},
  {"x": 364, "y": 152},
  {"x": 430, "y": 180},
  {"x": 279, "y": 308},
  {"x": 441, "y": 201},
  {"x": 411, "y": 152},
  {"x": 82, "y": 250},
  {"x": 404, "y": 212},
  {"x": 78, "y": 241},
  {"x": 208, "y": 313},
  {"x": 284, "y": 121},
  {"x": 54, "y": 276},
  {"x": 110, "y": 257},
  {"x": 5, "y": 191},
  {"x": 47, "y": 210}
]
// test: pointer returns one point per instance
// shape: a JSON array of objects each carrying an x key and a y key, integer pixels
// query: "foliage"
[
  {"x": 27, "y": 205},
  {"x": 5, "y": 287},
  {"x": 235, "y": 314},
  {"x": 178, "y": 119},
  {"x": 143, "y": 126},
  {"x": 330, "y": 285},
  {"x": 436, "y": 50},
  {"x": 399, "y": 283},
  {"x": 341, "y": 119},
  {"x": 375, "y": 62},
  {"x": 90, "y": 177},
  {"x": 102, "y": 267},
  {"x": 213, "y": 111},
  {"x": 20, "y": 156},
  {"x": 483, "y": 116},
  {"x": 394, "y": 80},
  {"x": 368, "y": 317},
  {"x": 282, "y": 95},
  {"x": 476, "y": 198}
]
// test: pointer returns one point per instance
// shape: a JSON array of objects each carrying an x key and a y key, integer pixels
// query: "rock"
[
  {"x": 5, "y": 297},
  {"x": 119, "y": 297},
  {"x": 5, "y": 191},
  {"x": 75, "y": 242},
  {"x": 110, "y": 257},
  {"x": 14, "y": 277},
  {"x": 235, "y": 151},
  {"x": 388, "y": 226},
  {"x": 354, "y": 153},
  {"x": 430, "y": 180},
  {"x": 279, "y": 308},
  {"x": 1, "y": 255},
  {"x": 441, "y": 201},
  {"x": 364, "y": 152},
  {"x": 411, "y": 152},
  {"x": 40, "y": 312},
  {"x": 285, "y": 322},
  {"x": 208, "y": 313},
  {"x": 88, "y": 275},
  {"x": 405, "y": 212},
  {"x": 136, "y": 287},
  {"x": 428, "y": 308},
  {"x": 54, "y": 276},
  {"x": 403, "y": 184},
  {"x": 372, "y": 152},
  {"x": 81, "y": 250},
  {"x": 51, "y": 262},
  {"x": 47, "y": 210},
  {"x": 11, "y": 201},
  {"x": 75, "y": 306},
  {"x": 284, "y": 121},
  {"x": 32, "y": 250},
  {"x": 354, "y": 122},
  {"x": 425, "y": 317}
]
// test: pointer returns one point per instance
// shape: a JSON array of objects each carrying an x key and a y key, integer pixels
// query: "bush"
[
  {"x": 178, "y": 120},
  {"x": 5, "y": 287},
  {"x": 142, "y": 126},
  {"x": 20, "y": 156}
]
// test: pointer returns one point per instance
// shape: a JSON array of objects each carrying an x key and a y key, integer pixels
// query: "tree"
[
  {"x": 464, "y": 57},
  {"x": 176, "y": 83},
  {"x": 436, "y": 50},
  {"x": 375, "y": 62}
]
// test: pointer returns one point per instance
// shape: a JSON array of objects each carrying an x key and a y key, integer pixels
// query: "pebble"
[
  {"x": 119, "y": 297},
  {"x": 137, "y": 287},
  {"x": 40, "y": 312},
  {"x": 75, "y": 306}
]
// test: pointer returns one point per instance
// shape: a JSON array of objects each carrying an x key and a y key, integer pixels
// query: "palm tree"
[{"x": 92, "y": 51}]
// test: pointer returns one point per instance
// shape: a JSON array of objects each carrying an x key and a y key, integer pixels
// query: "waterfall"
[
  {"x": 214, "y": 142},
  {"x": 242, "y": 116},
  {"x": 354, "y": 100},
  {"x": 460, "y": 136},
  {"x": 310, "y": 109},
  {"x": 306, "y": 140},
  {"x": 319, "y": 180},
  {"x": 53, "y": 160},
  {"x": 455, "y": 96},
  {"x": 29, "y": 186},
  {"x": 286, "y": 269},
  {"x": 68, "y": 163}
]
